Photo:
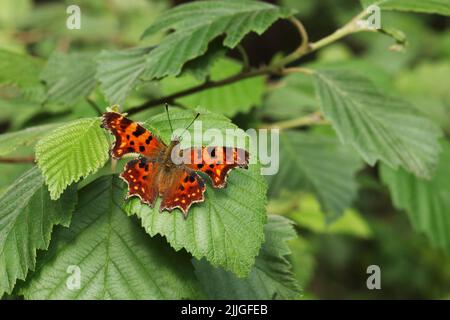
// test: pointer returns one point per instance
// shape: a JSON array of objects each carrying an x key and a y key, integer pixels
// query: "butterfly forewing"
[
  {"x": 216, "y": 162},
  {"x": 131, "y": 137}
]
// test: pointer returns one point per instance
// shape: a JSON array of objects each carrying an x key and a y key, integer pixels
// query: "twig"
[
  {"x": 27, "y": 159},
  {"x": 207, "y": 85},
  {"x": 298, "y": 70}
]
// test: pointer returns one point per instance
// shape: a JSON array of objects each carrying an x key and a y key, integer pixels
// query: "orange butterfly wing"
[
  {"x": 131, "y": 137},
  {"x": 141, "y": 175},
  {"x": 216, "y": 162},
  {"x": 181, "y": 188}
]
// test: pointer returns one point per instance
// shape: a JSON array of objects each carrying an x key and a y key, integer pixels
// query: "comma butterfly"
[{"x": 154, "y": 173}]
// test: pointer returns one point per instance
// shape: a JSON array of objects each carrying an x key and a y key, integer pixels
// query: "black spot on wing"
[{"x": 139, "y": 131}]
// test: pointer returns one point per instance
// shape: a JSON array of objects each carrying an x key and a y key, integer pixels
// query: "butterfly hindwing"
[
  {"x": 131, "y": 137},
  {"x": 141, "y": 176},
  {"x": 185, "y": 188},
  {"x": 216, "y": 162}
]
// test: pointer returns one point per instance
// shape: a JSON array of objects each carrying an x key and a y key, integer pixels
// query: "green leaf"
[
  {"x": 270, "y": 278},
  {"x": 309, "y": 215},
  {"x": 207, "y": 120},
  {"x": 119, "y": 71},
  {"x": 22, "y": 71},
  {"x": 416, "y": 85},
  {"x": 227, "y": 228},
  {"x": 425, "y": 201},
  {"x": 69, "y": 77},
  {"x": 441, "y": 7},
  {"x": 115, "y": 257},
  {"x": 293, "y": 96},
  {"x": 377, "y": 126},
  {"x": 9, "y": 142},
  {"x": 196, "y": 24},
  {"x": 229, "y": 99},
  {"x": 319, "y": 163},
  {"x": 200, "y": 67},
  {"x": 303, "y": 261},
  {"x": 27, "y": 217},
  {"x": 71, "y": 152}
]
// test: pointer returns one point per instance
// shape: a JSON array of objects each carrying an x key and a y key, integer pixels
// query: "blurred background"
[{"x": 330, "y": 259}]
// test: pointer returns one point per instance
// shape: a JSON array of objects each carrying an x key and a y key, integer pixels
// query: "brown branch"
[
  {"x": 207, "y": 85},
  {"x": 26, "y": 159}
]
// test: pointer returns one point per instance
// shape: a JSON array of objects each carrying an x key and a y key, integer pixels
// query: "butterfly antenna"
[
  {"x": 190, "y": 124},
  {"x": 168, "y": 117}
]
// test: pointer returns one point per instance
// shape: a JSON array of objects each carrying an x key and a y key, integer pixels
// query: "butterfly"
[{"x": 155, "y": 173}]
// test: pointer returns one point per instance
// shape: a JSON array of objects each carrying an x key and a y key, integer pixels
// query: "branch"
[
  {"x": 277, "y": 68},
  {"x": 27, "y": 159},
  {"x": 207, "y": 85}
]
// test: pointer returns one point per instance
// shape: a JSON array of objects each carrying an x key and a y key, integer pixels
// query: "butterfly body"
[{"x": 155, "y": 173}]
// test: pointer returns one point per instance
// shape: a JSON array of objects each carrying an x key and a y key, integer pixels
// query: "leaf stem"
[
  {"x": 310, "y": 119},
  {"x": 245, "y": 60},
  {"x": 351, "y": 27}
]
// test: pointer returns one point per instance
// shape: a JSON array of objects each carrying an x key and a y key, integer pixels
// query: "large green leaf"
[
  {"x": 304, "y": 209},
  {"x": 22, "y": 71},
  {"x": 27, "y": 217},
  {"x": 9, "y": 142},
  {"x": 71, "y": 152},
  {"x": 426, "y": 6},
  {"x": 426, "y": 202},
  {"x": 115, "y": 257},
  {"x": 226, "y": 229},
  {"x": 69, "y": 77},
  {"x": 379, "y": 127},
  {"x": 270, "y": 278},
  {"x": 119, "y": 71},
  {"x": 200, "y": 67},
  {"x": 416, "y": 85},
  {"x": 196, "y": 24},
  {"x": 292, "y": 97},
  {"x": 320, "y": 163},
  {"x": 206, "y": 121},
  {"x": 229, "y": 99}
]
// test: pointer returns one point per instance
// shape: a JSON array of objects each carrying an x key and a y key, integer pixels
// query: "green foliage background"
[{"x": 364, "y": 172}]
